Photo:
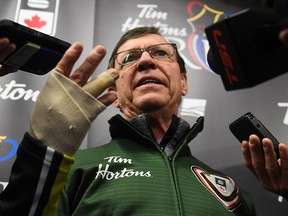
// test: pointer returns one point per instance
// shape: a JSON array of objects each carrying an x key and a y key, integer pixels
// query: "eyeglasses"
[{"x": 157, "y": 51}]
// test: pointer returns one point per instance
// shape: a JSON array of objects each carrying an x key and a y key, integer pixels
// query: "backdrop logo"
[
  {"x": 17, "y": 91},
  {"x": 38, "y": 14},
  {"x": 285, "y": 120},
  {"x": 193, "y": 107},
  {"x": 8, "y": 148},
  {"x": 200, "y": 16},
  {"x": 195, "y": 43},
  {"x": 156, "y": 17}
]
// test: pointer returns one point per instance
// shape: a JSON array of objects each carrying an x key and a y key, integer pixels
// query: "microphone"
[
  {"x": 245, "y": 49},
  {"x": 213, "y": 63}
]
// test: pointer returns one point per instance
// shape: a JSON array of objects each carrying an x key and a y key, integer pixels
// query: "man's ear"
[
  {"x": 113, "y": 90},
  {"x": 184, "y": 84}
]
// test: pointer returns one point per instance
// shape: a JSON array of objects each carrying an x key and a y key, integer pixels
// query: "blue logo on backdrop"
[{"x": 8, "y": 148}]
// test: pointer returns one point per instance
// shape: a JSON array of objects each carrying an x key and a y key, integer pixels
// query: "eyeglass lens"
[{"x": 158, "y": 51}]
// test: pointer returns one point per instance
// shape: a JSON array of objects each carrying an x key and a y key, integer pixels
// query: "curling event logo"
[
  {"x": 8, "y": 148},
  {"x": 200, "y": 15},
  {"x": 191, "y": 41}
]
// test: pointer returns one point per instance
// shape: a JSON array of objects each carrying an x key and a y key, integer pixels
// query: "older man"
[{"x": 146, "y": 168}]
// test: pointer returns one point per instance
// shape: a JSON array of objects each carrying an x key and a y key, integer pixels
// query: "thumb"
[{"x": 98, "y": 85}]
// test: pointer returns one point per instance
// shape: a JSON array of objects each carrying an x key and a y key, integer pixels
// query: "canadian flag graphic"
[{"x": 40, "y": 15}]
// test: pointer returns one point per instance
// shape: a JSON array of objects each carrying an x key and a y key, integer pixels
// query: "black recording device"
[
  {"x": 245, "y": 49},
  {"x": 248, "y": 124},
  {"x": 36, "y": 52}
]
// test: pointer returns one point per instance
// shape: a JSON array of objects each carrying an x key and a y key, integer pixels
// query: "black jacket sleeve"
[{"x": 37, "y": 178}]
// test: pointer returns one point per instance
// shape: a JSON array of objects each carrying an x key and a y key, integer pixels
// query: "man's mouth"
[{"x": 148, "y": 81}]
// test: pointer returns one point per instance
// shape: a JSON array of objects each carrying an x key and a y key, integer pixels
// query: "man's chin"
[{"x": 150, "y": 106}]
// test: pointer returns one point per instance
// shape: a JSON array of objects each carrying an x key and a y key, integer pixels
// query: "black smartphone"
[
  {"x": 36, "y": 52},
  {"x": 248, "y": 124}
]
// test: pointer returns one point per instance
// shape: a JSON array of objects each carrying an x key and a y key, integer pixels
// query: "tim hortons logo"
[
  {"x": 17, "y": 91},
  {"x": 104, "y": 172}
]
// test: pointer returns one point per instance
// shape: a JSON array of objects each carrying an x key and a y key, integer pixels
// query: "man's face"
[{"x": 149, "y": 85}]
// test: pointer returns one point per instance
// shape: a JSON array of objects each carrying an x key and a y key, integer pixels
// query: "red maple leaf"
[{"x": 35, "y": 22}]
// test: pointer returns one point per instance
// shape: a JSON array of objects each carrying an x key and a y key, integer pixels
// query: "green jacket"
[{"x": 131, "y": 175}]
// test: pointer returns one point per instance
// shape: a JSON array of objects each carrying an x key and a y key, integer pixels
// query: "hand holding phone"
[
  {"x": 248, "y": 124},
  {"x": 35, "y": 52},
  {"x": 271, "y": 174}
]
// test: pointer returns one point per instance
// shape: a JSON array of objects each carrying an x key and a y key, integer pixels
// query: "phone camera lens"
[{"x": 249, "y": 115}]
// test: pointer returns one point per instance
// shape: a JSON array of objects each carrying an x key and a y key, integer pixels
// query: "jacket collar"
[{"x": 121, "y": 128}]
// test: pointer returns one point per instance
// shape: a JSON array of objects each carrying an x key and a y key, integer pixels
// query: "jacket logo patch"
[{"x": 222, "y": 187}]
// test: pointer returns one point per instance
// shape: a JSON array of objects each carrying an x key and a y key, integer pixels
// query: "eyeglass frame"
[{"x": 147, "y": 49}]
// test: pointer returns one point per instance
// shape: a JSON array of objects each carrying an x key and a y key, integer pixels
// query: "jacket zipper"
[{"x": 169, "y": 159}]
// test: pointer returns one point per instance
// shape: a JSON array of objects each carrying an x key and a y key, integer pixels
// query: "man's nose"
[{"x": 146, "y": 62}]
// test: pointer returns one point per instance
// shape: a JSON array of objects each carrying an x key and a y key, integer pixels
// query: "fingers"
[
  {"x": 247, "y": 156},
  {"x": 82, "y": 74},
  {"x": 6, "y": 48},
  {"x": 284, "y": 36},
  {"x": 256, "y": 151},
  {"x": 255, "y": 161},
  {"x": 7, "y": 69},
  {"x": 101, "y": 82},
  {"x": 253, "y": 155},
  {"x": 85, "y": 70},
  {"x": 261, "y": 159},
  {"x": 98, "y": 85},
  {"x": 108, "y": 98},
  {"x": 283, "y": 150},
  {"x": 65, "y": 65},
  {"x": 4, "y": 42},
  {"x": 271, "y": 165}
]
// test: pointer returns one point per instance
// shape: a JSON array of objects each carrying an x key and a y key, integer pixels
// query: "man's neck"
[
  {"x": 159, "y": 121},
  {"x": 159, "y": 125}
]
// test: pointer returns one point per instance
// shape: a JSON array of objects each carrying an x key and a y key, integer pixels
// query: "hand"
[
  {"x": 6, "y": 47},
  {"x": 263, "y": 163},
  {"x": 86, "y": 69},
  {"x": 284, "y": 36},
  {"x": 64, "y": 111}
]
